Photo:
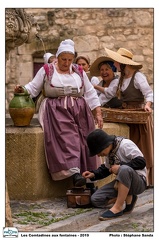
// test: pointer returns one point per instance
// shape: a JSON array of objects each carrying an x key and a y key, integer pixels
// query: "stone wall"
[{"x": 92, "y": 30}]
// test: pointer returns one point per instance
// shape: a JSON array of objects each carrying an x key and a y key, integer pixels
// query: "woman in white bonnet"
[
  {"x": 66, "y": 114},
  {"x": 48, "y": 57}
]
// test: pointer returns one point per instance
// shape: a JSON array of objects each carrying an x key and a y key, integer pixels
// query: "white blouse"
[
  {"x": 60, "y": 80},
  {"x": 140, "y": 82},
  {"x": 126, "y": 152},
  {"x": 95, "y": 81},
  {"x": 109, "y": 92}
]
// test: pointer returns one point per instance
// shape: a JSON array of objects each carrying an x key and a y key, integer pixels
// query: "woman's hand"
[
  {"x": 98, "y": 117},
  {"x": 99, "y": 121},
  {"x": 88, "y": 174},
  {"x": 148, "y": 107},
  {"x": 18, "y": 89}
]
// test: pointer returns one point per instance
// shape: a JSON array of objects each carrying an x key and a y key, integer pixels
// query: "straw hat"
[
  {"x": 123, "y": 56},
  {"x": 94, "y": 69}
]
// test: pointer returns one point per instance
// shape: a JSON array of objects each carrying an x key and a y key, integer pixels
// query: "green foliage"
[{"x": 46, "y": 218}]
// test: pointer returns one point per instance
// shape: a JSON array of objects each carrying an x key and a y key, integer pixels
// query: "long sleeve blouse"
[
  {"x": 62, "y": 80},
  {"x": 128, "y": 154},
  {"x": 140, "y": 82},
  {"x": 109, "y": 92}
]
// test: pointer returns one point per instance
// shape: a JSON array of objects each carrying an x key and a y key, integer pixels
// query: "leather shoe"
[
  {"x": 92, "y": 187},
  {"x": 78, "y": 180},
  {"x": 109, "y": 215},
  {"x": 129, "y": 207}
]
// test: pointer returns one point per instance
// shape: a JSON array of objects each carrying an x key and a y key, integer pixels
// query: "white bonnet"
[
  {"x": 66, "y": 46},
  {"x": 47, "y": 56}
]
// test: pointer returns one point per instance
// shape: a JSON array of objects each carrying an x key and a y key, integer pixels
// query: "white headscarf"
[
  {"x": 66, "y": 46},
  {"x": 47, "y": 56}
]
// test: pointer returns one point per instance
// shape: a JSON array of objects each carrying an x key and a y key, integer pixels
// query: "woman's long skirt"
[
  {"x": 143, "y": 136},
  {"x": 66, "y": 123}
]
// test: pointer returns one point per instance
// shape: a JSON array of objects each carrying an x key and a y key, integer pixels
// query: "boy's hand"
[{"x": 88, "y": 174}]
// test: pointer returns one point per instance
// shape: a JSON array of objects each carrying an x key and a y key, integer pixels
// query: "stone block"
[
  {"x": 27, "y": 174},
  {"x": 118, "y": 129}
]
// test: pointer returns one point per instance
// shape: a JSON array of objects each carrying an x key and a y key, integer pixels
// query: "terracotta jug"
[{"x": 22, "y": 109}]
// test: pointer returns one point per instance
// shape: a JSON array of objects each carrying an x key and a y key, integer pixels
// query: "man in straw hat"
[
  {"x": 136, "y": 93},
  {"x": 124, "y": 159}
]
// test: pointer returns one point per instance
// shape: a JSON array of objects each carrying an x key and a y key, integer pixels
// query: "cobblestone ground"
[
  {"x": 44, "y": 214},
  {"x": 28, "y": 216}
]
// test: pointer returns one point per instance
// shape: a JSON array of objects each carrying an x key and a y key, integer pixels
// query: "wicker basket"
[{"x": 136, "y": 116}]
